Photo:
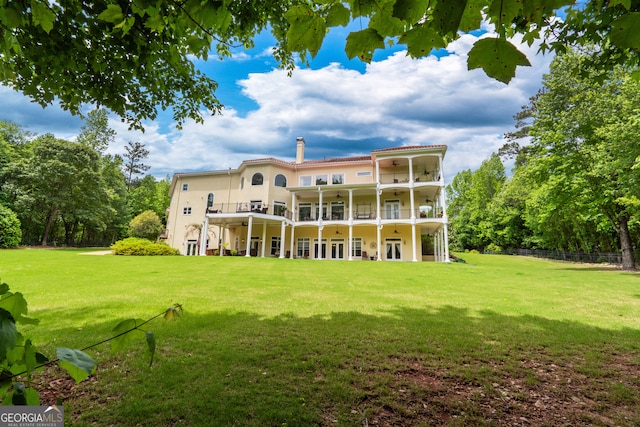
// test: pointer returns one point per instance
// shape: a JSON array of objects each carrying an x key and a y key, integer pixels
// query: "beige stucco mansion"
[{"x": 388, "y": 206}]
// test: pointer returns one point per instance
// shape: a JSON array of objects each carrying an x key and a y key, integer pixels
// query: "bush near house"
[
  {"x": 10, "y": 233},
  {"x": 141, "y": 247},
  {"x": 147, "y": 225}
]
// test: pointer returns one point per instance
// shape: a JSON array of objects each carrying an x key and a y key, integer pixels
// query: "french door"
[{"x": 393, "y": 249}]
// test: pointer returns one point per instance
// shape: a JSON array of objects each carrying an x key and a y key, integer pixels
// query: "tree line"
[
  {"x": 575, "y": 184},
  {"x": 73, "y": 193}
]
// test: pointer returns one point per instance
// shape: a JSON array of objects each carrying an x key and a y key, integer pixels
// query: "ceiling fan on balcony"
[
  {"x": 395, "y": 229},
  {"x": 338, "y": 195},
  {"x": 337, "y": 231}
]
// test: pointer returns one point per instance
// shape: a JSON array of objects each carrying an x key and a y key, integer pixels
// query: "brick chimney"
[{"x": 299, "y": 149}]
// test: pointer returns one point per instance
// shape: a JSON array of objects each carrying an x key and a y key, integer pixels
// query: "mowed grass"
[{"x": 271, "y": 342}]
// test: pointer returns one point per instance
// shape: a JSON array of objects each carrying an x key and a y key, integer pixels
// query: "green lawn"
[{"x": 271, "y": 342}]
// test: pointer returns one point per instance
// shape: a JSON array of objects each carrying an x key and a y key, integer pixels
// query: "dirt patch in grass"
[{"x": 531, "y": 392}]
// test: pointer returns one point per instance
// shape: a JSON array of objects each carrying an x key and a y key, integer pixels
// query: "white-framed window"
[
  {"x": 363, "y": 173},
  {"x": 392, "y": 209},
  {"x": 356, "y": 247},
  {"x": 257, "y": 179},
  {"x": 304, "y": 212},
  {"x": 302, "y": 249},
  {"x": 186, "y": 210},
  {"x": 337, "y": 210},
  {"x": 210, "y": 201},
  {"x": 279, "y": 208},
  {"x": 337, "y": 178},
  {"x": 280, "y": 180},
  {"x": 305, "y": 181},
  {"x": 242, "y": 183},
  {"x": 321, "y": 179},
  {"x": 185, "y": 187}
]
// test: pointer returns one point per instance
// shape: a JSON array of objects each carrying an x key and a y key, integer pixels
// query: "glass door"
[
  {"x": 393, "y": 249},
  {"x": 392, "y": 209},
  {"x": 191, "y": 248},
  {"x": 337, "y": 248},
  {"x": 323, "y": 249}
]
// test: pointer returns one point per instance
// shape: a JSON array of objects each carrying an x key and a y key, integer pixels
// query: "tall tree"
[
  {"x": 96, "y": 132},
  {"x": 135, "y": 154},
  {"x": 135, "y": 57},
  {"x": 585, "y": 134},
  {"x": 471, "y": 195},
  {"x": 62, "y": 182}
]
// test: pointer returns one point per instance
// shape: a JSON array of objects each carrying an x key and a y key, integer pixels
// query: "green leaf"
[
  {"x": 420, "y": 40},
  {"x": 447, "y": 16},
  {"x": 472, "y": 16},
  {"x": 78, "y": 363},
  {"x": 362, "y": 44},
  {"x": 624, "y": 31},
  {"x": 42, "y": 15},
  {"x": 11, "y": 17},
  {"x": 505, "y": 10},
  {"x": 8, "y": 333},
  {"x": 33, "y": 398},
  {"x": 307, "y": 30},
  {"x": 125, "y": 334},
  {"x": 155, "y": 22},
  {"x": 337, "y": 15},
  {"x": 126, "y": 25},
  {"x": 385, "y": 23},
  {"x": 151, "y": 346},
  {"x": 17, "y": 306},
  {"x": 30, "y": 356},
  {"x": 112, "y": 14},
  {"x": 497, "y": 57},
  {"x": 363, "y": 7},
  {"x": 214, "y": 15},
  {"x": 173, "y": 312},
  {"x": 410, "y": 11}
]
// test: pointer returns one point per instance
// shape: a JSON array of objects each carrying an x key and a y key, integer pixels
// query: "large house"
[{"x": 388, "y": 206}]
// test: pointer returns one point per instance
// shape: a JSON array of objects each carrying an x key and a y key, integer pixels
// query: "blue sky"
[{"x": 341, "y": 107}]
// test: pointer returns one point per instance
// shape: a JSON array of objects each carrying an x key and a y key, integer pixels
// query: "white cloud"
[{"x": 397, "y": 100}]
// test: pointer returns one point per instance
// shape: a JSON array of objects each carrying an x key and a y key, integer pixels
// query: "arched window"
[
  {"x": 242, "y": 183},
  {"x": 257, "y": 179},
  {"x": 280, "y": 181},
  {"x": 210, "y": 201}
]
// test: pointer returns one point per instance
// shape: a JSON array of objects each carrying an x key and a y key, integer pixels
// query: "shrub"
[
  {"x": 10, "y": 233},
  {"x": 147, "y": 225},
  {"x": 141, "y": 247}
]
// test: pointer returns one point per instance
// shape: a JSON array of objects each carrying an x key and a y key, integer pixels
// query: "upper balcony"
[
  {"x": 403, "y": 176},
  {"x": 249, "y": 207},
  {"x": 421, "y": 168}
]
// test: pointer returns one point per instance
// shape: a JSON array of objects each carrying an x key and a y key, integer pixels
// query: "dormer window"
[{"x": 257, "y": 179}]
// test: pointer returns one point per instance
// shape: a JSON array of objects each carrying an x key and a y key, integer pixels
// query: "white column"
[
  {"x": 350, "y": 241},
  {"x": 294, "y": 213},
  {"x": 203, "y": 237},
  {"x": 264, "y": 239},
  {"x": 378, "y": 222},
  {"x": 445, "y": 242},
  {"x": 249, "y": 231},
  {"x": 282, "y": 235},
  {"x": 320, "y": 226},
  {"x": 414, "y": 240}
]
